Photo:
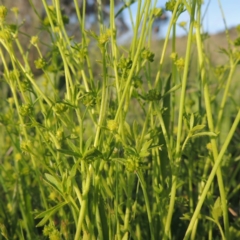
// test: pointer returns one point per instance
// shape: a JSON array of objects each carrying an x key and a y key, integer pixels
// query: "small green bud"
[
  {"x": 153, "y": 95},
  {"x": 180, "y": 63},
  {"x": 170, "y": 5},
  {"x": 26, "y": 146},
  {"x": 125, "y": 63},
  {"x": 55, "y": 235},
  {"x": 103, "y": 38},
  {"x": 5, "y": 119},
  {"x": 40, "y": 63},
  {"x": 219, "y": 70},
  {"x": 132, "y": 163},
  {"x": 60, "y": 134},
  {"x": 137, "y": 82},
  {"x": 13, "y": 76},
  {"x": 157, "y": 12},
  {"x": 89, "y": 99},
  {"x": 51, "y": 231},
  {"x": 26, "y": 110},
  {"x": 60, "y": 108},
  {"x": 25, "y": 84},
  {"x": 148, "y": 55}
]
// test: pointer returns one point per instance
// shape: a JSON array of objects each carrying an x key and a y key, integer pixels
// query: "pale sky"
[{"x": 213, "y": 21}]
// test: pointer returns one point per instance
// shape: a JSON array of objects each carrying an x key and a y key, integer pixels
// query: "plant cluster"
[{"x": 123, "y": 152}]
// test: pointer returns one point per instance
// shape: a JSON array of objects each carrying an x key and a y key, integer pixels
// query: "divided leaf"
[{"x": 48, "y": 213}]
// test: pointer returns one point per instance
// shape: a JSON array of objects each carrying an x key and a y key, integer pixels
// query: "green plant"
[{"x": 121, "y": 152}]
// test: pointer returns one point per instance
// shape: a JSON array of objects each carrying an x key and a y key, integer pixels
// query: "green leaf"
[
  {"x": 125, "y": 6},
  {"x": 127, "y": 127},
  {"x": 174, "y": 88},
  {"x": 210, "y": 134},
  {"x": 92, "y": 154},
  {"x": 135, "y": 129},
  {"x": 159, "y": 146},
  {"x": 48, "y": 213},
  {"x": 70, "y": 153},
  {"x": 146, "y": 145},
  {"x": 217, "y": 209},
  {"x": 106, "y": 189},
  {"x": 130, "y": 150},
  {"x": 143, "y": 154},
  {"x": 192, "y": 122},
  {"x": 119, "y": 160},
  {"x": 72, "y": 146},
  {"x": 126, "y": 236},
  {"x": 54, "y": 182},
  {"x": 186, "y": 216},
  {"x": 196, "y": 128},
  {"x": 92, "y": 34},
  {"x": 74, "y": 168},
  {"x": 223, "y": 50},
  {"x": 3, "y": 231},
  {"x": 88, "y": 143}
]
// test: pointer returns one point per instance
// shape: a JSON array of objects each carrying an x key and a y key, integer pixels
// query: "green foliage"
[{"x": 117, "y": 144}]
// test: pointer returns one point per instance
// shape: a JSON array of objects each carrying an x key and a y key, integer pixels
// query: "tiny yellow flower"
[
  {"x": 3, "y": 13},
  {"x": 112, "y": 125},
  {"x": 173, "y": 55},
  {"x": 180, "y": 63},
  {"x": 34, "y": 40},
  {"x": 18, "y": 157},
  {"x": 52, "y": 196},
  {"x": 56, "y": 29},
  {"x": 10, "y": 101},
  {"x": 209, "y": 146},
  {"x": 182, "y": 24},
  {"x": 103, "y": 38},
  {"x": 10, "y": 207}
]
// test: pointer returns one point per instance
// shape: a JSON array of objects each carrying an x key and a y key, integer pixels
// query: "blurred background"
[
  {"x": 211, "y": 11},
  {"x": 31, "y": 23}
]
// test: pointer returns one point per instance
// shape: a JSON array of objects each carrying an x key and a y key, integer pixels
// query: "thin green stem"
[
  {"x": 211, "y": 127},
  {"x": 215, "y": 168},
  {"x": 180, "y": 120},
  {"x": 143, "y": 185}
]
